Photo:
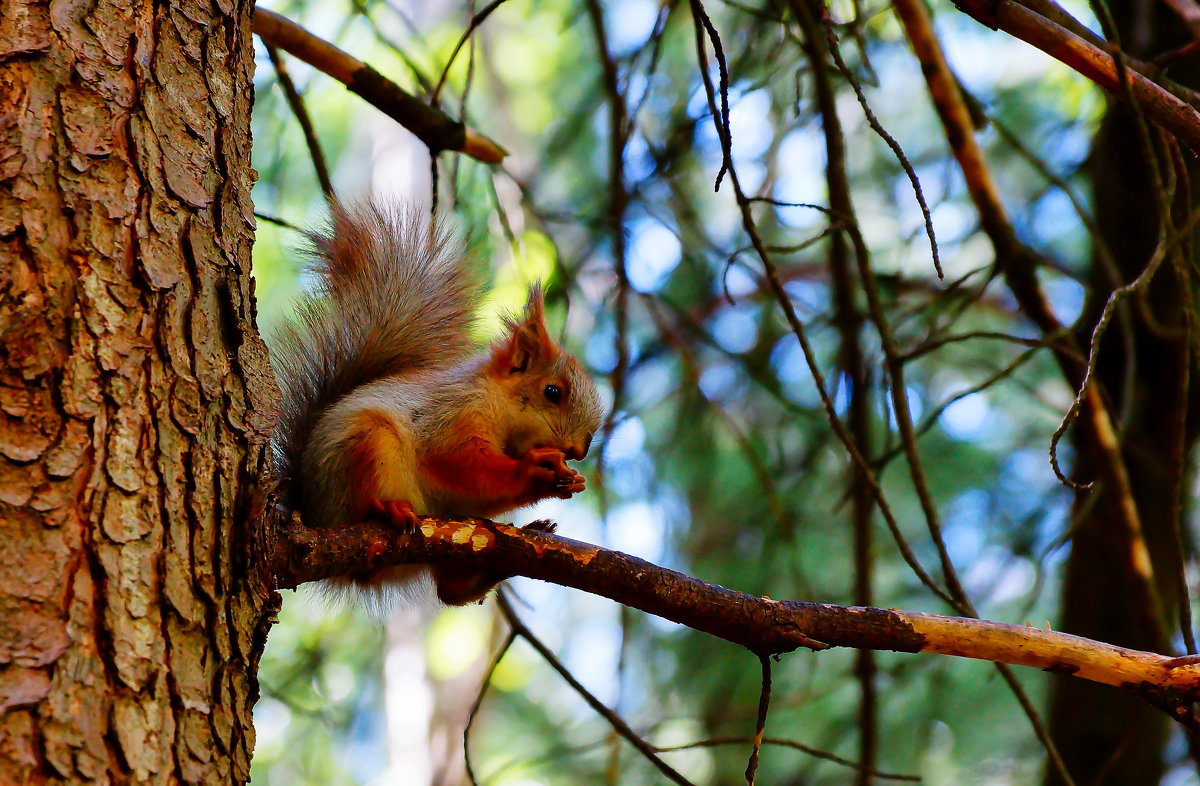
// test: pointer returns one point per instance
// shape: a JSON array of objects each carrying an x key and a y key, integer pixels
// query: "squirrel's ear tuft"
[
  {"x": 535, "y": 307},
  {"x": 527, "y": 344}
]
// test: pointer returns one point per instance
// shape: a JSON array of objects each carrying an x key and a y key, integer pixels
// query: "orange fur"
[
  {"x": 371, "y": 460},
  {"x": 459, "y": 586},
  {"x": 490, "y": 482}
]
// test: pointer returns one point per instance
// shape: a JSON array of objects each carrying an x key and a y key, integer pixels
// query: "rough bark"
[
  {"x": 1107, "y": 738},
  {"x": 134, "y": 394}
]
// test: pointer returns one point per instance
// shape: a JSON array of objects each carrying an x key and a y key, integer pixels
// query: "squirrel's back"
[{"x": 391, "y": 295}]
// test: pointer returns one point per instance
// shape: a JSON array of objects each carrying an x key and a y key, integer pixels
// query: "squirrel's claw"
[
  {"x": 549, "y": 466},
  {"x": 566, "y": 487},
  {"x": 398, "y": 513}
]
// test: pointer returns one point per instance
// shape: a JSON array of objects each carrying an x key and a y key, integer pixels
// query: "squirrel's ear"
[{"x": 528, "y": 343}]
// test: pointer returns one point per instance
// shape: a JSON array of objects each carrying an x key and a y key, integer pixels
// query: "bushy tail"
[{"x": 391, "y": 296}]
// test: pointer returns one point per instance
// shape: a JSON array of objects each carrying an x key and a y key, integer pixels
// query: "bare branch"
[
  {"x": 760, "y": 624},
  {"x": 1165, "y": 108},
  {"x": 432, "y": 126}
]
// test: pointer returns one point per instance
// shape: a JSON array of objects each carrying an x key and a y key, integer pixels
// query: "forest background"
[{"x": 719, "y": 460}]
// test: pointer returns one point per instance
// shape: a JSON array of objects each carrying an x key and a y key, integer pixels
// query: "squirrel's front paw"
[
  {"x": 552, "y": 459},
  {"x": 398, "y": 513},
  {"x": 548, "y": 469},
  {"x": 546, "y": 466},
  {"x": 566, "y": 487}
]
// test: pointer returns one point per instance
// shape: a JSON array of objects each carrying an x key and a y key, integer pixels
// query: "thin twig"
[
  {"x": 1179, "y": 459},
  {"x": 1103, "y": 255},
  {"x": 483, "y": 686},
  {"x": 764, "y": 703},
  {"x": 1039, "y": 728},
  {"x": 934, "y": 344},
  {"x": 935, "y": 414},
  {"x": 1137, "y": 285},
  {"x": 840, "y": 201},
  {"x": 665, "y": 9},
  {"x": 1179, "y": 462},
  {"x": 276, "y": 220},
  {"x": 618, "y": 202},
  {"x": 361, "y": 8},
  {"x": 462, "y": 111},
  {"x": 296, "y": 103},
  {"x": 476, "y": 21},
  {"x": 817, "y": 753},
  {"x": 849, "y": 320},
  {"x": 722, "y": 119},
  {"x": 883, "y": 134},
  {"x": 766, "y": 479},
  {"x": 1018, "y": 263},
  {"x": 616, "y": 721}
]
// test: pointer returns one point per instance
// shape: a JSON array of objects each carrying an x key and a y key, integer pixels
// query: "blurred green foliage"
[{"x": 721, "y": 463}]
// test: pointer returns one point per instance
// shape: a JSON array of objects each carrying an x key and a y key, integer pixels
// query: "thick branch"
[
  {"x": 1151, "y": 70},
  {"x": 432, "y": 126},
  {"x": 762, "y": 625},
  {"x": 1166, "y": 109}
]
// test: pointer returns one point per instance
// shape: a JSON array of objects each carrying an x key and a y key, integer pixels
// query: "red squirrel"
[{"x": 387, "y": 413}]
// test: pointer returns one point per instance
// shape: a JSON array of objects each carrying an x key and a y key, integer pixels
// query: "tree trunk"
[{"x": 135, "y": 394}]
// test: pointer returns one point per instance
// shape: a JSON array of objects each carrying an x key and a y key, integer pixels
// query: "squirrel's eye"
[{"x": 553, "y": 393}]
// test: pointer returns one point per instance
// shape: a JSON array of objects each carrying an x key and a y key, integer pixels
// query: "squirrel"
[{"x": 387, "y": 413}]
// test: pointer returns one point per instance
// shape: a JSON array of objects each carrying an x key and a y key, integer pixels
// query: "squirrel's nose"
[{"x": 578, "y": 452}]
